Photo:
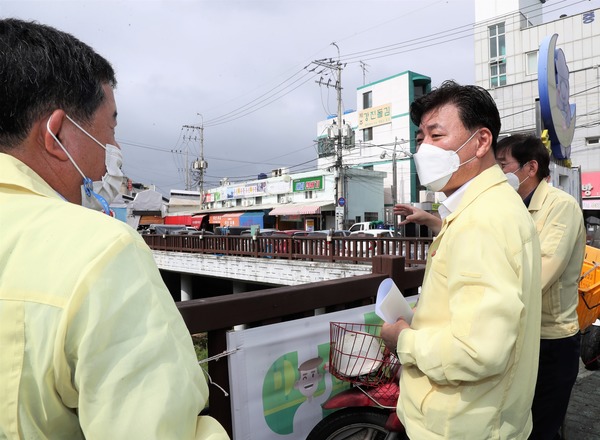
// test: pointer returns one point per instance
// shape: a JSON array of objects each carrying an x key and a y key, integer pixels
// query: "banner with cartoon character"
[{"x": 278, "y": 375}]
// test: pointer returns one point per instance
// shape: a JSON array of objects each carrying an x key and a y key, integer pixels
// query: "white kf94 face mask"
[
  {"x": 513, "y": 179},
  {"x": 435, "y": 165},
  {"x": 97, "y": 195}
]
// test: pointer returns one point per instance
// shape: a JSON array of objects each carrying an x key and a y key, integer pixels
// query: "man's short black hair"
[
  {"x": 476, "y": 107},
  {"x": 43, "y": 69},
  {"x": 524, "y": 148}
]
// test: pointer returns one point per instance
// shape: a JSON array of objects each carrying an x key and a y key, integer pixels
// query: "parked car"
[
  {"x": 263, "y": 232},
  {"x": 291, "y": 232},
  {"x": 165, "y": 229},
  {"x": 365, "y": 226},
  {"x": 379, "y": 233},
  {"x": 201, "y": 233},
  {"x": 336, "y": 233}
]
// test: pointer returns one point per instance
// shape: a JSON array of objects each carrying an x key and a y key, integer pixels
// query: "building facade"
[
  {"x": 382, "y": 134},
  {"x": 302, "y": 201},
  {"x": 508, "y": 35}
]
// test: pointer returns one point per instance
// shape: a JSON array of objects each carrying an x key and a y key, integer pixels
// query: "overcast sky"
[{"x": 241, "y": 66}]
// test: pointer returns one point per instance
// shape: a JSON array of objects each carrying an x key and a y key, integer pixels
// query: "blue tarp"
[{"x": 252, "y": 218}]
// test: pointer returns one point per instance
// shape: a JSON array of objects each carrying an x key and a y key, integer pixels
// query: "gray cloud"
[{"x": 175, "y": 59}]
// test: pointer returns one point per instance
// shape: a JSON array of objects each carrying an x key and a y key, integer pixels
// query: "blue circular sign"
[{"x": 341, "y": 201}]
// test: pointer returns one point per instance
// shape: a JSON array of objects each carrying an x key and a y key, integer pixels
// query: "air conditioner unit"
[
  {"x": 289, "y": 199},
  {"x": 282, "y": 199},
  {"x": 245, "y": 202},
  {"x": 229, "y": 204},
  {"x": 249, "y": 202}
]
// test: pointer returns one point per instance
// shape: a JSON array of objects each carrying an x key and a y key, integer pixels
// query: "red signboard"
[
  {"x": 178, "y": 220},
  {"x": 590, "y": 184}
]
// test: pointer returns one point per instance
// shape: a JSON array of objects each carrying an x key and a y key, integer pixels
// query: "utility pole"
[
  {"x": 202, "y": 165},
  {"x": 199, "y": 164},
  {"x": 364, "y": 66},
  {"x": 339, "y": 168}
]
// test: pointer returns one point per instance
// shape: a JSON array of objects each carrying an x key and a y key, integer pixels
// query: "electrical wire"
[{"x": 289, "y": 84}]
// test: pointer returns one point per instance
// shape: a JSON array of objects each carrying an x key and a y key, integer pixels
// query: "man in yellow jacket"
[
  {"x": 559, "y": 222},
  {"x": 92, "y": 343},
  {"x": 469, "y": 358}
]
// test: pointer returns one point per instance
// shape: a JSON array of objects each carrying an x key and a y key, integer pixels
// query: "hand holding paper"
[{"x": 391, "y": 304}]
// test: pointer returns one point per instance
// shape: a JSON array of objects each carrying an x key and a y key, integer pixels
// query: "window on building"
[
  {"x": 592, "y": 141},
  {"x": 498, "y": 73},
  {"x": 497, "y": 55},
  {"x": 367, "y": 99},
  {"x": 371, "y": 216},
  {"x": 497, "y": 41},
  {"x": 308, "y": 194},
  {"x": 368, "y": 134},
  {"x": 258, "y": 200},
  {"x": 420, "y": 90},
  {"x": 531, "y": 63}
]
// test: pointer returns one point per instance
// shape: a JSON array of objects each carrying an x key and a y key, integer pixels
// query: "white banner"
[{"x": 278, "y": 377}]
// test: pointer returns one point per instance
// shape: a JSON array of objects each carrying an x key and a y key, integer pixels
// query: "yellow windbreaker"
[
  {"x": 470, "y": 357},
  {"x": 92, "y": 343},
  {"x": 559, "y": 221}
]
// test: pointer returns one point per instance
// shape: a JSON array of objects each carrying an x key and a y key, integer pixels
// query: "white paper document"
[{"x": 391, "y": 304}]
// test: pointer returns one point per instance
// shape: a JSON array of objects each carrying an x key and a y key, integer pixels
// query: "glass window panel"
[
  {"x": 367, "y": 100},
  {"x": 532, "y": 62}
]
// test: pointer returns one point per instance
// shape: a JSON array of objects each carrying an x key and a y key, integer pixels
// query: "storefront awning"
[
  {"x": 197, "y": 220},
  {"x": 150, "y": 220},
  {"x": 231, "y": 219},
  {"x": 302, "y": 209}
]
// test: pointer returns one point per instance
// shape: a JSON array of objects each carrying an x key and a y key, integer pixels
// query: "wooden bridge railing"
[{"x": 333, "y": 249}]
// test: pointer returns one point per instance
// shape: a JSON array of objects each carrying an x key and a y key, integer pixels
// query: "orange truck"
[{"x": 588, "y": 309}]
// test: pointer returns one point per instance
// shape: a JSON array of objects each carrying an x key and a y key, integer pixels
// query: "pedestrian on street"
[
  {"x": 93, "y": 345},
  {"x": 469, "y": 358}
]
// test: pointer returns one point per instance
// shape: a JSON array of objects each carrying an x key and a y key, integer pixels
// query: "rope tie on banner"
[
  {"x": 218, "y": 356},
  {"x": 215, "y": 358}
]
